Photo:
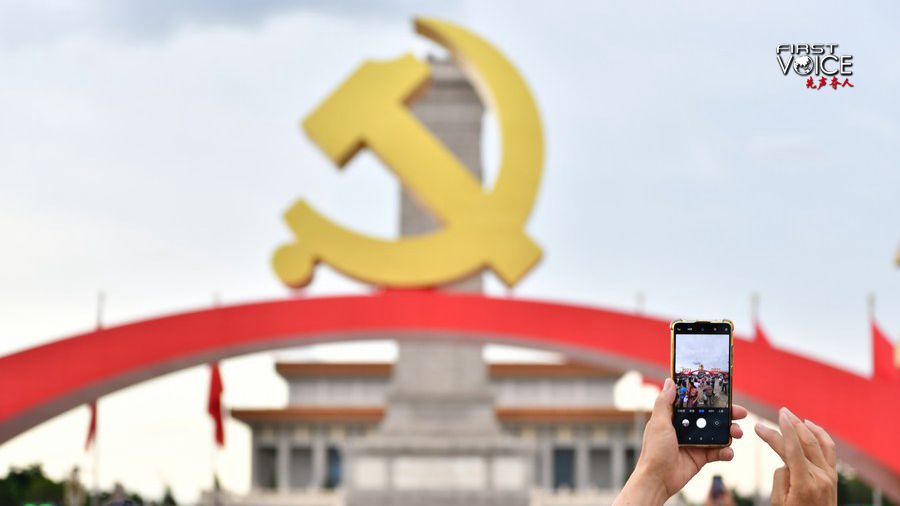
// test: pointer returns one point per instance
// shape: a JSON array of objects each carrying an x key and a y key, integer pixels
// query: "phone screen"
[{"x": 701, "y": 369}]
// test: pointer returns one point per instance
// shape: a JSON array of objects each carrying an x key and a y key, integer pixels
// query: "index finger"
[
  {"x": 772, "y": 438},
  {"x": 793, "y": 451},
  {"x": 738, "y": 412}
]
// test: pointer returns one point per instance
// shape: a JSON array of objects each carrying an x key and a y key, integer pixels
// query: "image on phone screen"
[{"x": 702, "y": 373}]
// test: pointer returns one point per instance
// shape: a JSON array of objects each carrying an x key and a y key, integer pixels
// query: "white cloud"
[{"x": 27, "y": 24}]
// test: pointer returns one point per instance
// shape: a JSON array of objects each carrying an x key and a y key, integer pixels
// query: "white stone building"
[{"x": 586, "y": 447}]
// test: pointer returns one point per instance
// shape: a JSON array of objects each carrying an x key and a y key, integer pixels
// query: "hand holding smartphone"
[{"x": 702, "y": 364}]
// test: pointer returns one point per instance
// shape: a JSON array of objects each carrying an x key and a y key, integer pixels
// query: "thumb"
[{"x": 662, "y": 409}]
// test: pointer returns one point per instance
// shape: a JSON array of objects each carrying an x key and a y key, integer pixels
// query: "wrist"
[{"x": 643, "y": 488}]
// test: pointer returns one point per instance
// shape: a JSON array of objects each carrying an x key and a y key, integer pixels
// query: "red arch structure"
[{"x": 44, "y": 381}]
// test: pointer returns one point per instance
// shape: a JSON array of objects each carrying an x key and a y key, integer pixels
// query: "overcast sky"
[
  {"x": 709, "y": 350},
  {"x": 149, "y": 148}
]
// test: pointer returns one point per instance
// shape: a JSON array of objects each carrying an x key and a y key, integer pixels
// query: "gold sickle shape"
[{"x": 479, "y": 228}]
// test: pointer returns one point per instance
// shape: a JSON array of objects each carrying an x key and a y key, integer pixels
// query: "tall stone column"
[
  {"x": 443, "y": 386},
  {"x": 283, "y": 461},
  {"x": 618, "y": 457},
  {"x": 440, "y": 442},
  {"x": 546, "y": 450},
  {"x": 318, "y": 458},
  {"x": 582, "y": 461}
]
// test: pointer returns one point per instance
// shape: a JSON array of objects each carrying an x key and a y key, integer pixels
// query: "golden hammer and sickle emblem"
[{"x": 479, "y": 228}]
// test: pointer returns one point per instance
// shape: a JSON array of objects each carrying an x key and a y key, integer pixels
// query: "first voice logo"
[{"x": 819, "y": 63}]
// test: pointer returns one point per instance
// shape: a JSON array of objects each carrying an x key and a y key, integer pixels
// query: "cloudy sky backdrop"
[
  {"x": 149, "y": 148},
  {"x": 710, "y": 350}
]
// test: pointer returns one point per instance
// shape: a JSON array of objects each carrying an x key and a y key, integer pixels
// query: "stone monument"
[{"x": 440, "y": 443}]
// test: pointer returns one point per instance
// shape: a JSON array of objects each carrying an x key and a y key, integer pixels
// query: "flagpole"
[
  {"x": 757, "y": 453},
  {"x": 870, "y": 305},
  {"x": 95, "y": 471},
  {"x": 213, "y": 457},
  {"x": 877, "y": 496},
  {"x": 754, "y": 307},
  {"x": 897, "y": 350},
  {"x": 876, "y": 491},
  {"x": 95, "y": 468},
  {"x": 216, "y": 302}
]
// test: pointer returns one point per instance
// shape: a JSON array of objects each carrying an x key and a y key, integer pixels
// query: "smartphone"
[
  {"x": 702, "y": 364},
  {"x": 718, "y": 487}
]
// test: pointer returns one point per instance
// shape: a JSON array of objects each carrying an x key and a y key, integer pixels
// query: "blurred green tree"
[{"x": 29, "y": 485}]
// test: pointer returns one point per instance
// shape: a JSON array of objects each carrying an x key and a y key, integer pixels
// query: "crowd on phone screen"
[{"x": 701, "y": 389}]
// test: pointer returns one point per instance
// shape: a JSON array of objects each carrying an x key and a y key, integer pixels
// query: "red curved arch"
[{"x": 47, "y": 380}]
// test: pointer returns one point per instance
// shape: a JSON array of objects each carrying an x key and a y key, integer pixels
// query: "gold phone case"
[{"x": 730, "y": 370}]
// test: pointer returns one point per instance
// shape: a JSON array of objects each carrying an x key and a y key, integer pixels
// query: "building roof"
[
  {"x": 564, "y": 370},
  {"x": 383, "y": 369},
  {"x": 374, "y": 414},
  {"x": 564, "y": 415},
  {"x": 368, "y": 414},
  {"x": 333, "y": 369}
]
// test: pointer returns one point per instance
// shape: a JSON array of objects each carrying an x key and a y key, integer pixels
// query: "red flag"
[
  {"x": 882, "y": 355},
  {"x": 214, "y": 406},
  {"x": 760, "y": 336},
  {"x": 92, "y": 426}
]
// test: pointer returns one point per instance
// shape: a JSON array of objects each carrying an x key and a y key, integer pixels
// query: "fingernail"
[
  {"x": 811, "y": 423},
  {"x": 791, "y": 416},
  {"x": 667, "y": 384},
  {"x": 760, "y": 428},
  {"x": 783, "y": 415}
]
